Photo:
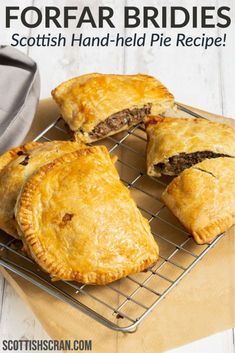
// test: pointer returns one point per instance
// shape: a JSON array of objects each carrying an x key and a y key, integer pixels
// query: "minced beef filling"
[
  {"x": 178, "y": 163},
  {"x": 116, "y": 121}
]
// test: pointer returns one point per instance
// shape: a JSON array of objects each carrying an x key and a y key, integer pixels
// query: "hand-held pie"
[
  {"x": 203, "y": 198},
  {"x": 175, "y": 144},
  {"x": 80, "y": 222},
  {"x": 98, "y": 105},
  {"x": 23, "y": 161},
  {"x": 15, "y": 152},
  {"x": 7, "y": 218}
]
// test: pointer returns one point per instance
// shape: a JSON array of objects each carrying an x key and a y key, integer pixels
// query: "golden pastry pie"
[
  {"x": 9, "y": 155},
  {"x": 5, "y": 159},
  {"x": 80, "y": 222},
  {"x": 203, "y": 198},
  {"x": 99, "y": 105},
  {"x": 175, "y": 144},
  {"x": 27, "y": 159}
]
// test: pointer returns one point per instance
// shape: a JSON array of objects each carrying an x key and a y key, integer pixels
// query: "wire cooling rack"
[{"x": 124, "y": 304}]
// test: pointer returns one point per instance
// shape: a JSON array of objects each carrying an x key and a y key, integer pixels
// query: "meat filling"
[
  {"x": 176, "y": 164},
  {"x": 117, "y": 121}
]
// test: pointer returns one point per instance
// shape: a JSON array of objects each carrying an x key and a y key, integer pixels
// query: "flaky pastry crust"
[
  {"x": 169, "y": 137},
  {"x": 80, "y": 222},
  {"x": 26, "y": 160},
  {"x": 203, "y": 198},
  {"x": 14, "y": 152},
  {"x": 87, "y": 100}
]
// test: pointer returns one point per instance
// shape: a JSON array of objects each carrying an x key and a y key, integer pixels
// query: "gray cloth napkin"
[{"x": 19, "y": 94}]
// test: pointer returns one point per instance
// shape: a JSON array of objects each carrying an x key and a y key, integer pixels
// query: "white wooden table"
[{"x": 197, "y": 77}]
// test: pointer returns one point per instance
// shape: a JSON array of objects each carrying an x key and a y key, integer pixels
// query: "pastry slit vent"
[
  {"x": 26, "y": 160},
  {"x": 66, "y": 218},
  {"x": 21, "y": 153},
  {"x": 176, "y": 164},
  {"x": 205, "y": 171},
  {"x": 115, "y": 122}
]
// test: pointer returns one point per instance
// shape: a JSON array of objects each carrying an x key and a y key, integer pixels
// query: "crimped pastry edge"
[
  {"x": 10, "y": 154},
  {"x": 24, "y": 216},
  {"x": 205, "y": 234},
  {"x": 212, "y": 230}
]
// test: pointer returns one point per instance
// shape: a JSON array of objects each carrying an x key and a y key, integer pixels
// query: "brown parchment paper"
[{"x": 202, "y": 304}]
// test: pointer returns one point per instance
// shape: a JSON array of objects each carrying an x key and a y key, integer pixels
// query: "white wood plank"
[
  {"x": 219, "y": 343},
  {"x": 190, "y": 73},
  {"x": 17, "y": 321},
  {"x": 59, "y": 64},
  {"x": 6, "y": 33},
  {"x": 227, "y": 67},
  {"x": 2, "y": 286}
]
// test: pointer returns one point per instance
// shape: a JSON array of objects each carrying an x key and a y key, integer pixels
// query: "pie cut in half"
[
  {"x": 98, "y": 105},
  {"x": 203, "y": 198},
  {"x": 80, "y": 222},
  {"x": 25, "y": 160},
  {"x": 175, "y": 144}
]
